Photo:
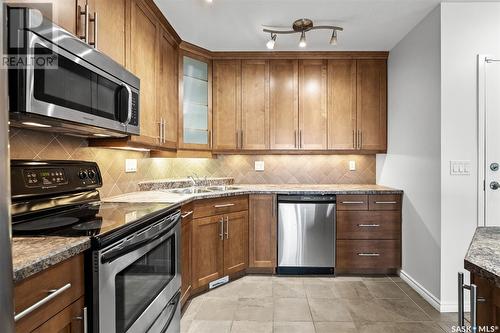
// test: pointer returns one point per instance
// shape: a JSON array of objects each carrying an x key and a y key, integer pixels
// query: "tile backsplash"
[{"x": 308, "y": 169}]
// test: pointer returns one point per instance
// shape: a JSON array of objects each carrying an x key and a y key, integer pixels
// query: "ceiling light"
[
  {"x": 333, "y": 40},
  {"x": 301, "y": 26},
  {"x": 302, "y": 41},
  {"x": 271, "y": 42},
  {"x": 30, "y": 123},
  {"x": 209, "y": 1}
]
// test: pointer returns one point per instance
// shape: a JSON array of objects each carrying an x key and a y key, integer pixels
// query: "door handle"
[
  {"x": 224, "y": 205},
  {"x": 368, "y": 254},
  {"x": 53, "y": 293},
  {"x": 386, "y": 202},
  {"x": 241, "y": 138},
  {"x": 494, "y": 185},
  {"x": 354, "y": 139},
  {"x": 85, "y": 14},
  {"x": 352, "y": 202},
  {"x": 84, "y": 320},
  {"x": 94, "y": 20},
  {"x": 221, "y": 225},
  {"x": 227, "y": 227},
  {"x": 187, "y": 214},
  {"x": 300, "y": 138},
  {"x": 369, "y": 225}
]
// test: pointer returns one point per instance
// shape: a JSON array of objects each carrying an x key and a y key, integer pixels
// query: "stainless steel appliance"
[
  {"x": 59, "y": 83},
  {"x": 6, "y": 294},
  {"x": 306, "y": 234},
  {"x": 133, "y": 268}
]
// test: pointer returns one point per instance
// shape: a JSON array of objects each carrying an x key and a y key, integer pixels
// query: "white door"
[{"x": 491, "y": 96}]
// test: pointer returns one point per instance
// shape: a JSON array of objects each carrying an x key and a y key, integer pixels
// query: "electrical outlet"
[
  {"x": 259, "y": 165},
  {"x": 352, "y": 165},
  {"x": 130, "y": 165}
]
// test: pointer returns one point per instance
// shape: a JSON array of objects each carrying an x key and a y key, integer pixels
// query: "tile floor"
[{"x": 256, "y": 304}]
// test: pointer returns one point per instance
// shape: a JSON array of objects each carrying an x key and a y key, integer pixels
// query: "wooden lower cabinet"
[
  {"x": 368, "y": 233},
  {"x": 186, "y": 255},
  {"x": 235, "y": 242},
  {"x": 64, "y": 312},
  {"x": 69, "y": 320},
  {"x": 219, "y": 243},
  {"x": 208, "y": 250},
  {"x": 262, "y": 232},
  {"x": 488, "y": 304}
]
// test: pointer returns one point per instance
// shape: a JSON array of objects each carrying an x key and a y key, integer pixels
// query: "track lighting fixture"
[
  {"x": 333, "y": 40},
  {"x": 302, "y": 26},
  {"x": 302, "y": 40},
  {"x": 271, "y": 42}
]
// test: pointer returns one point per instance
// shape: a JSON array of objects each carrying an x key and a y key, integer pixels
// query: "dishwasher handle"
[{"x": 313, "y": 198}]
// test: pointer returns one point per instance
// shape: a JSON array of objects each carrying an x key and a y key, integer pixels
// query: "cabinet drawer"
[
  {"x": 66, "y": 279},
  {"x": 355, "y": 254},
  {"x": 384, "y": 202},
  {"x": 368, "y": 225},
  {"x": 352, "y": 202},
  {"x": 211, "y": 207}
]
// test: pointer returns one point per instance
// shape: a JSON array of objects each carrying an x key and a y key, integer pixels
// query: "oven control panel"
[
  {"x": 44, "y": 177},
  {"x": 33, "y": 178}
]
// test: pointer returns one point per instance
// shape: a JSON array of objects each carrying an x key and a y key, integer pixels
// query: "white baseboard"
[{"x": 427, "y": 295}]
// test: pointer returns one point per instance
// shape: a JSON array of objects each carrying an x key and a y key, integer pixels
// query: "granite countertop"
[
  {"x": 163, "y": 195},
  {"x": 34, "y": 254},
  {"x": 31, "y": 255},
  {"x": 483, "y": 256}
]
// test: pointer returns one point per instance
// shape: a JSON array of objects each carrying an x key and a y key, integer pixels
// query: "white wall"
[
  {"x": 413, "y": 160},
  {"x": 467, "y": 29}
]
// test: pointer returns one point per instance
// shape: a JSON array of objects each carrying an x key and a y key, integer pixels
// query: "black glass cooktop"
[{"x": 92, "y": 219}]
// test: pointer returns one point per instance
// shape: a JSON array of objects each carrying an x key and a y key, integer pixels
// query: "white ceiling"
[{"x": 236, "y": 25}]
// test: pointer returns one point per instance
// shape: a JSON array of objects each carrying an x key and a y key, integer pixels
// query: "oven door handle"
[
  {"x": 120, "y": 251},
  {"x": 172, "y": 305}
]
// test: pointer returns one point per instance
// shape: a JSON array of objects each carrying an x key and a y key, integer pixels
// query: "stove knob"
[
  {"x": 82, "y": 174},
  {"x": 91, "y": 174}
]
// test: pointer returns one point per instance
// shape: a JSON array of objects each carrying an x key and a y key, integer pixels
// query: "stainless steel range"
[{"x": 134, "y": 265}]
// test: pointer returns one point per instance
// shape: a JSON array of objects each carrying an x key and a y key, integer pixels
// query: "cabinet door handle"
[
  {"x": 94, "y": 20},
  {"x": 360, "y": 139},
  {"x": 358, "y": 143},
  {"x": 221, "y": 226},
  {"x": 354, "y": 139},
  {"x": 386, "y": 202},
  {"x": 241, "y": 138},
  {"x": 164, "y": 131},
  {"x": 300, "y": 139},
  {"x": 53, "y": 293},
  {"x": 187, "y": 214},
  {"x": 224, "y": 205},
  {"x": 210, "y": 138},
  {"x": 85, "y": 14},
  {"x": 160, "y": 128},
  {"x": 237, "y": 139},
  {"x": 227, "y": 227},
  {"x": 374, "y": 225},
  {"x": 368, "y": 254},
  {"x": 473, "y": 303},
  {"x": 295, "y": 139},
  {"x": 352, "y": 202},
  {"x": 84, "y": 320}
]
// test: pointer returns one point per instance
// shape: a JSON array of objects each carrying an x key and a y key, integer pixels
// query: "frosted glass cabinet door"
[{"x": 195, "y": 102}]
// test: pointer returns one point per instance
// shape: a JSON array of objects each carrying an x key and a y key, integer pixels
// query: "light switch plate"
[
  {"x": 460, "y": 168},
  {"x": 259, "y": 165},
  {"x": 352, "y": 165},
  {"x": 130, "y": 165}
]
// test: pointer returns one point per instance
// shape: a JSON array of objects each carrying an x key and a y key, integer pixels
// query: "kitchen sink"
[
  {"x": 189, "y": 190},
  {"x": 221, "y": 188}
]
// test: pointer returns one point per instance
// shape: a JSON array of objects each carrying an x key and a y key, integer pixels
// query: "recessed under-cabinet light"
[{"x": 33, "y": 124}]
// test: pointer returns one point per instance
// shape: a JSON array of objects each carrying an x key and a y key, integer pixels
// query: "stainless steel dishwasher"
[{"x": 306, "y": 234}]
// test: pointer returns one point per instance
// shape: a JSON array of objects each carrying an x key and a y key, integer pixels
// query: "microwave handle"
[{"x": 129, "y": 105}]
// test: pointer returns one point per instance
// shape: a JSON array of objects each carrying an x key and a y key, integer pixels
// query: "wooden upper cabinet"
[
  {"x": 143, "y": 63},
  {"x": 371, "y": 104},
  {"x": 312, "y": 104},
  {"x": 342, "y": 104},
  {"x": 167, "y": 90},
  {"x": 283, "y": 104},
  {"x": 254, "y": 105},
  {"x": 226, "y": 104},
  {"x": 111, "y": 20},
  {"x": 61, "y": 12}
]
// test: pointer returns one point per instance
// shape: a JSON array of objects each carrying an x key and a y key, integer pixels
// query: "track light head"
[
  {"x": 333, "y": 40},
  {"x": 271, "y": 42},
  {"x": 302, "y": 41}
]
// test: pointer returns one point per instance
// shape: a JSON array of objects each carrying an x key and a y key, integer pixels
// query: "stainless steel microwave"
[{"x": 59, "y": 83}]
